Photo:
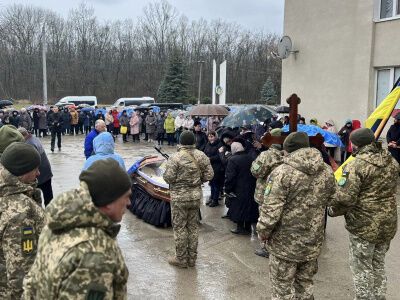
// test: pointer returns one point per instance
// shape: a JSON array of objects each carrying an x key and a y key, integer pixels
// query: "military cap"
[
  {"x": 276, "y": 132},
  {"x": 9, "y": 134},
  {"x": 20, "y": 158},
  {"x": 362, "y": 137},
  {"x": 187, "y": 138},
  {"x": 296, "y": 141}
]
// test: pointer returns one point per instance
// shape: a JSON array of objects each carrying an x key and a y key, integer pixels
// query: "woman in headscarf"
[{"x": 240, "y": 186}]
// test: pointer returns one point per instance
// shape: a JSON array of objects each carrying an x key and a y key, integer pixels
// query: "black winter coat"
[
  {"x": 240, "y": 181},
  {"x": 201, "y": 140},
  {"x": 211, "y": 150},
  {"x": 55, "y": 122}
]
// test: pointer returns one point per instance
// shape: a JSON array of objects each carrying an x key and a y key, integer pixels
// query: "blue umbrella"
[
  {"x": 312, "y": 130},
  {"x": 129, "y": 112},
  {"x": 155, "y": 109},
  {"x": 102, "y": 110}
]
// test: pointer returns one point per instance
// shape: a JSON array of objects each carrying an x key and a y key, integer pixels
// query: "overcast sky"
[{"x": 252, "y": 14}]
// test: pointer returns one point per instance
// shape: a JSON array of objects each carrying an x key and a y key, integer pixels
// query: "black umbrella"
[
  {"x": 4, "y": 103},
  {"x": 282, "y": 109}
]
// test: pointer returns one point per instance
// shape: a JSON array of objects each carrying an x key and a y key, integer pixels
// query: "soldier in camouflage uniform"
[
  {"x": 367, "y": 198},
  {"x": 21, "y": 218},
  {"x": 185, "y": 172},
  {"x": 291, "y": 218},
  {"x": 78, "y": 257}
]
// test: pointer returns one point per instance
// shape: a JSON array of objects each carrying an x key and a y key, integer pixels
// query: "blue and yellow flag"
[{"x": 378, "y": 119}]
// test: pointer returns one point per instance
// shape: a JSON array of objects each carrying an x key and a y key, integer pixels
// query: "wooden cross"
[{"x": 293, "y": 101}]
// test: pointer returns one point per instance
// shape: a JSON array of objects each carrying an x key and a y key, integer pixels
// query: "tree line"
[{"x": 129, "y": 58}]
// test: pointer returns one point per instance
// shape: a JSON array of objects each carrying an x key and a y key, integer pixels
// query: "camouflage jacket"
[
  {"x": 185, "y": 171},
  {"x": 21, "y": 221},
  {"x": 292, "y": 213},
  {"x": 262, "y": 167},
  {"x": 78, "y": 257},
  {"x": 367, "y": 194}
]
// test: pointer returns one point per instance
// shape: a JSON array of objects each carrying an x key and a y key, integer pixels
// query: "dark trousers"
[
  {"x": 124, "y": 137},
  {"x": 135, "y": 137},
  {"x": 160, "y": 138},
  {"x": 37, "y": 132},
  {"x": 53, "y": 138},
  {"x": 110, "y": 128},
  {"x": 74, "y": 129},
  {"x": 345, "y": 155},
  {"x": 42, "y": 132},
  {"x": 116, "y": 130},
  {"x": 170, "y": 139},
  {"x": 87, "y": 129},
  {"x": 47, "y": 190},
  {"x": 216, "y": 188}
]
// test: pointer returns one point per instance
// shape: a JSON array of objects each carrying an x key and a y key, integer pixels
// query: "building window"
[
  {"x": 389, "y": 8},
  {"x": 385, "y": 79}
]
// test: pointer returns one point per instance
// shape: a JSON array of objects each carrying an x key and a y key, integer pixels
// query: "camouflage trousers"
[
  {"x": 367, "y": 263},
  {"x": 185, "y": 217},
  {"x": 292, "y": 280}
]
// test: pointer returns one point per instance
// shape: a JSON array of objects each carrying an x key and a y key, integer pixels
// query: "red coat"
[{"x": 115, "y": 116}]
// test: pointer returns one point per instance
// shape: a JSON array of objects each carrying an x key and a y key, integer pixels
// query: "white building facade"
[{"x": 348, "y": 59}]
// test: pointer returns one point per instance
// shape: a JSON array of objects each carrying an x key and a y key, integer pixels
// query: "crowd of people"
[{"x": 283, "y": 193}]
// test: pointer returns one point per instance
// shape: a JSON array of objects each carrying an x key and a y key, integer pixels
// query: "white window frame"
[
  {"x": 377, "y": 12},
  {"x": 391, "y": 82}
]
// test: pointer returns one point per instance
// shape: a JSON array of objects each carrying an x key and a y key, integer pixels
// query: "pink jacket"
[{"x": 134, "y": 123}]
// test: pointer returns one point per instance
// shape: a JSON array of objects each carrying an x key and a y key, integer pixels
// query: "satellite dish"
[{"x": 285, "y": 47}]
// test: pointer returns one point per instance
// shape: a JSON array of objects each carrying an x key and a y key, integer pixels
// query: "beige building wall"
[{"x": 339, "y": 47}]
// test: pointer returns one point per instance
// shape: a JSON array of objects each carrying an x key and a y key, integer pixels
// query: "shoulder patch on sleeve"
[
  {"x": 27, "y": 241},
  {"x": 343, "y": 179},
  {"x": 268, "y": 187}
]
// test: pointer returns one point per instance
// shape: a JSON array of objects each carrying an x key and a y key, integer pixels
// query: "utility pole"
[
  {"x": 44, "y": 48},
  {"x": 201, "y": 62}
]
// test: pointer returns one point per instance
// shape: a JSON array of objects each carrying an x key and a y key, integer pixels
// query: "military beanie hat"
[
  {"x": 276, "y": 132},
  {"x": 106, "y": 181},
  {"x": 187, "y": 138},
  {"x": 9, "y": 134},
  {"x": 362, "y": 137},
  {"x": 20, "y": 158},
  {"x": 296, "y": 141}
]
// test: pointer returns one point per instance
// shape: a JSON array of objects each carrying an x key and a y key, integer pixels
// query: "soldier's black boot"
[{"x": 262, "y": 252}]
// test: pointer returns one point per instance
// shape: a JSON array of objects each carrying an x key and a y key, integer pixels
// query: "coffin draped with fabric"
[{"x": 150, "y": 198}]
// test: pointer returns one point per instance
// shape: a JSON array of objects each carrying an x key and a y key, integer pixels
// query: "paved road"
[{"x": 227, "y": 267}]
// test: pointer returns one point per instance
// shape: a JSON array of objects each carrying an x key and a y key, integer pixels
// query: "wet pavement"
[{"x": 226, "y": 267}]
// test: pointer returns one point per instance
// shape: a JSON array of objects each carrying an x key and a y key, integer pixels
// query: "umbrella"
[
  {"x": 102, "y": 110},
  {"x": 35, "y": 106},
  {"x": 87, "y": 109},
  {"x": 4, "y": 103},
  {"x": 312, "y": 130},
  {"x": 282, "y": 109},
  {"x": 209, "y": 110},
  {"x": 248, "y": 115}
]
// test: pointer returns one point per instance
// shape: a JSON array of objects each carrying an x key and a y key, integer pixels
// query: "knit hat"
[
  {"x": 20, "y": 158},
  {"x": 276, "y": 132},
  {"x": 296, "y": 141},
  {"x": 362, "y": 137},
  {"x": 9, "y": 134},
  {"x": 186, "y": 138},
  {"x": 106, "y": 181}
]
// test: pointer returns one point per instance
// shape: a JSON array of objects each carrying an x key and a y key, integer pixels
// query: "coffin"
[{"x": 150, "y": 193}]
